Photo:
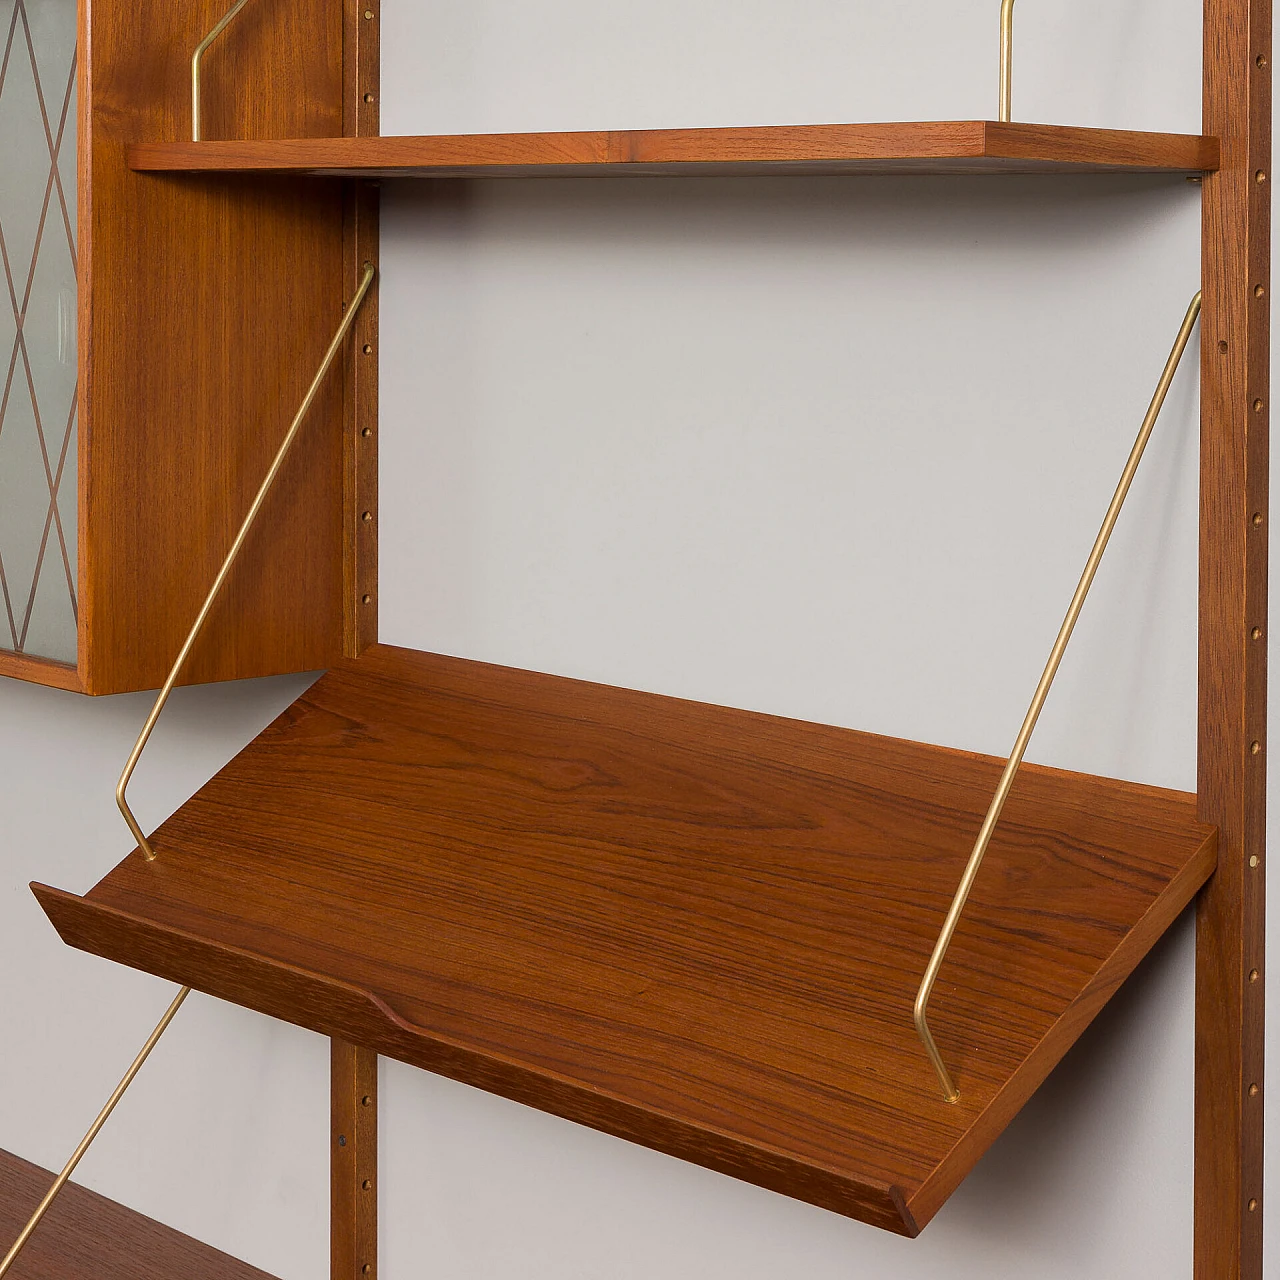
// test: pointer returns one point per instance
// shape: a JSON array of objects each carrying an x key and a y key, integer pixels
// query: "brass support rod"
[
  {"x": 1006, "y": 61},
  {"x": 34, "y": 1221},
  {"x": 334, "y": 347},
  {"x": 1037, "y": 703},
  {"x": 196, "y": 58}
]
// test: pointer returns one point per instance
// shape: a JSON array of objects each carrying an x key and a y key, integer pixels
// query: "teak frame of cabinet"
[{"x": 1234, "y": 449}]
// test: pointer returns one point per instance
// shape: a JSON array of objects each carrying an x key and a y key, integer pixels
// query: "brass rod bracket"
[
  {"x": 94, "y": 1129},
  {"x": 198, "y": 57},
  {"x": 370, "y": 272},
  {"x": 1006, "y": 61},
  {"x": 921, "y": 1009}
]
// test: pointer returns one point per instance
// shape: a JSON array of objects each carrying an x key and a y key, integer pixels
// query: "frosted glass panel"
[{"x": 38, "y": 328}]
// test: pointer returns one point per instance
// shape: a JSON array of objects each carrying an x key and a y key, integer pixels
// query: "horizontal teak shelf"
[
  {"x": 950, "y": 146},
  {"x": 697, "y": 928}
]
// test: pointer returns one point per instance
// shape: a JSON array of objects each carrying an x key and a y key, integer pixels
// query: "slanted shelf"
[
  {"x": 949, "y": 146},
  {"x": 697, "y": 928}
]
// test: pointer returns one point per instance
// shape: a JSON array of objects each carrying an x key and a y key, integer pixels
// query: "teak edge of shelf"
[{"x": 945, "y": 146}]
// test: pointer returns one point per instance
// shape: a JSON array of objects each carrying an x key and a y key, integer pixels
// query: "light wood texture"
[
  {"x": 353, "y": 1162},
  {"x": 88, "y": 1237},
  {"x": 697, "y": 928},
  {"x": 1231, "y": 934},
  {"x": 952, "y": 146}
]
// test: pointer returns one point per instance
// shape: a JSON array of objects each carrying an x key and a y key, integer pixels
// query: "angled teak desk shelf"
[
  {"x": 694, "y": 927},
  {"x": 698, "y": 928}
]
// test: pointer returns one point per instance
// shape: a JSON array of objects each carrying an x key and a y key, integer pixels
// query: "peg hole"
[
  {"x": 1253, "y": 1091},
  {"x": 368, "y": 97},
  {"x": 1257, "y": 519},
  {"x": 1259, "y": 291},
  {"x": 368, "y": 348},
  {"x": 366, "y": 516},
  {"x": 1259, "y": 405},
  {"x": 1254, "y": 975},
  {"x": 1260, "y": 177},
  {"x": 1261, "y": 60},
  {"x": 1255, "y": 748},
  {"x": 366, "y": 431},
  {"x": 1253, "y": 862},
  {"x": 367, "y": 1184},
  {"x": 1253, "y": 1206},
  {"x": 365, "y": 599},
  {"x": 1222, "y": 345}
]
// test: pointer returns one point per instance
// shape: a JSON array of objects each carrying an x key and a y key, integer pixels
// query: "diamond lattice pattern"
[{"x": 38, "y": 328}]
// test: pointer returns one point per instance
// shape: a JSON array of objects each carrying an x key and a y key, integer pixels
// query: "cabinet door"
[{"x": 38, "y": 320}]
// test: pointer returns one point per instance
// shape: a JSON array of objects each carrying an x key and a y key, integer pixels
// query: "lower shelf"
[
  {"x": 697, "y": 928},
  {"x": 88, "y": 1237}
]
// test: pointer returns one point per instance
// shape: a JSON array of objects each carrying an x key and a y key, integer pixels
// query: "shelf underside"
[
  {"x": 697, "y": 928},
  {"x": 88, "y": 1237},
  {"x": 948, "y": 146}
]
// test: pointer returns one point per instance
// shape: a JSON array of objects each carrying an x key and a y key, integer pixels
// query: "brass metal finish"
[
  {"x": 196, "y": 58},
  {"x": 343, "y": 329},
  {"x": 34, "y": 1221},
  {"x": 1006, "y": 61},
  {"x": 1037, "y": 702}
]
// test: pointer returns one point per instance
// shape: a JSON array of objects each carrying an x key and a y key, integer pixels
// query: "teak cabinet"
[
  {"x": 557, "y": 891},
  {"x": 199, "y": 307}
]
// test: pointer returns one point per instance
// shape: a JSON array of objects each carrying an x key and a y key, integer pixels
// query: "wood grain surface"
[
  {"x": 353, "y": 1162},
  {"x": 205, "y": 308},
  {"x": 361, "y": 114},
  {"x": 57, "y": 675},
  {"x": 952, "y": 146},
  {"x": 1234, "y": 522},
  {"x": 697, "y": 928},
  {"x": 88, "y": 1237}
]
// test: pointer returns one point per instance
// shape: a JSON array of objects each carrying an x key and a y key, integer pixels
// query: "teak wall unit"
[{"x": 694, "y": 927}]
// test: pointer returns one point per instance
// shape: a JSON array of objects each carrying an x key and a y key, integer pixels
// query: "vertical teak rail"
[
  {"x": 360, "y": 118},
  {"x": 1230, "y": 921},
  {"x": 353, "y": 1162}
]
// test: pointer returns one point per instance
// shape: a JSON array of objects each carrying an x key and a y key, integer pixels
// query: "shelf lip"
[
  {"x": 694, "y": 928},
  {"x": 946, "y": 146}
]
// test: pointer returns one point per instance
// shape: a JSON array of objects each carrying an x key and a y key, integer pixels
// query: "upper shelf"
[
  {"x": 696, "y": 928},
  {"x": 949, "y": 146}
]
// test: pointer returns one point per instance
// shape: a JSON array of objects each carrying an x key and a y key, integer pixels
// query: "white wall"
[{"x": 833, "y": 448}]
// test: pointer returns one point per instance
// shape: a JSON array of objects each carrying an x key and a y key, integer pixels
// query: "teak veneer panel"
[
  {"x": 697, "y": 928},
  {"x": 950, "y": 146},
  {"x": 88, "y": 1237}
]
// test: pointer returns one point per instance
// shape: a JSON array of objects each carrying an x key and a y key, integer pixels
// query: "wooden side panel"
[
  {"x": 206, "y": 306},
  {"x": 1233, "y": 625},
  {"x": 88, "y": 1237},
  {"x": 353, "y": 1162},
  {"x": 361, "y": 75}
]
